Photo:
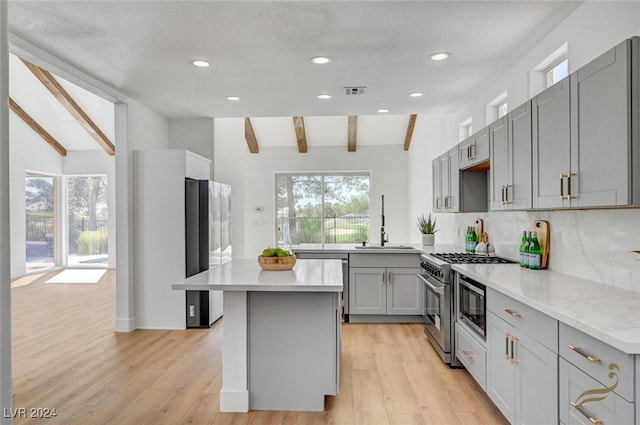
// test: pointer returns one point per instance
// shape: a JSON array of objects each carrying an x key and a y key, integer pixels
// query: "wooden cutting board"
[{"x": 541, "y": 228}]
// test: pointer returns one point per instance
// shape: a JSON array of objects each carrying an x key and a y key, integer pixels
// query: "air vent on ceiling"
[{"x": 354, "y": 90}]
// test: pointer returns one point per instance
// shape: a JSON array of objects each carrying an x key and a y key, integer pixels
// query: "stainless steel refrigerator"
[{"x": 207, "y": 243}]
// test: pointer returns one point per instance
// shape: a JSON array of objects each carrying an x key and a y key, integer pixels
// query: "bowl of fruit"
[{"x": 276, "y": 259}]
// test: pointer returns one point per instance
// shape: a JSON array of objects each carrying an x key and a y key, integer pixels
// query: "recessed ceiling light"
[
  {"x": 200, "y": 63},
  {"x": 324, "y": 96},
  {"x": 440, "y": 56},
  {"x": 383, "y": 110},
  {"x": 320, "y": 60},
  {"x": 233, "y": 98},
  {"x": 416, "y": 94}
]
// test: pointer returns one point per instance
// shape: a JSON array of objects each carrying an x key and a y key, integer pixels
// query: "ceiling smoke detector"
[{"x": 354, "y": 90}]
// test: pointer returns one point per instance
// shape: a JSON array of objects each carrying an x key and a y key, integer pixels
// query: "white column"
[
  {"x": 234, "y": 396},
  {"x": 6, "y": 380}
]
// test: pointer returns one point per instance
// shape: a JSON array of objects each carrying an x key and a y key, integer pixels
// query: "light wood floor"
[{"x": 67, "y": 356}]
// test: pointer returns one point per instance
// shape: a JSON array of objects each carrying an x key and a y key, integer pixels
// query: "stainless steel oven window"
[{"x": 472, "y": 307}]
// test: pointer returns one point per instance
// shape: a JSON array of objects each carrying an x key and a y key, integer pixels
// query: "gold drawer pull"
[
  {"x": 586, "y": 356},
  {"x": 580, "y": 409},
  {"x": 511, "y": 312},
  {"x": 468, "y": 354}
]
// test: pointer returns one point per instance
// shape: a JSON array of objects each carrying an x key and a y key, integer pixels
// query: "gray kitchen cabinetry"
[
  {"x": 596, "y": 381},
  {"x": 510, "y": 173},
  {"x": 384, "y": 285},
  {"x": 522, "y": 361},
  {"x": 474, "y": 149},
  {"x": 446, "y": 183},
  {"x": 583, "y": 131},
  {"x": 436, "y": 169}
]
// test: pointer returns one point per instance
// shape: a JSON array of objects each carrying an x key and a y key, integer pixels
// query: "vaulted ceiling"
[{"x": 259, "y": 51}]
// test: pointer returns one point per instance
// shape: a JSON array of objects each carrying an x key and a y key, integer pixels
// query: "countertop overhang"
[
  {"x": 609, "y": 314},
  {"x": 247, "y": 275}
]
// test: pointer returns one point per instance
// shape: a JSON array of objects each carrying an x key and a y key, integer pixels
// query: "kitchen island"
[{"x": 282, "y": 332}]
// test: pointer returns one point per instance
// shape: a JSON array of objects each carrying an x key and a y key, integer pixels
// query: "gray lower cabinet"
[
  {"x": 522, "y": 366},
  {"x": 393, "y": 290},
  {"x": 596, "y": 381}
]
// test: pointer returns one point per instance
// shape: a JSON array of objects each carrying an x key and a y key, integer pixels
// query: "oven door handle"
[
  {"x": 470, "y": 286},
  {"x": 436, "y": 287}
]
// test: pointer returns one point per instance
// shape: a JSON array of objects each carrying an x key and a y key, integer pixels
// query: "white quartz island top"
[
  {"x": 247, "y": 275},
  {"x": 607, "y": 313}
]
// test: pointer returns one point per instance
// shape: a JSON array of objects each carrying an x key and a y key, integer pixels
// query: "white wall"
[
  {"x": 252, "y": 177},
  {"x": 593, "y": 244},
  {"x": 193, "y": 134}
]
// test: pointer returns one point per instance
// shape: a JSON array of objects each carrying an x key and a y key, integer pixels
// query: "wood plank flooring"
[{"x": 67, "y": 356}]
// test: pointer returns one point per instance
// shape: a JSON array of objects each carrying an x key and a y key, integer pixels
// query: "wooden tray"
[
  {"x": 541, "y": 228},
  {"x": 277, "y": 263}
]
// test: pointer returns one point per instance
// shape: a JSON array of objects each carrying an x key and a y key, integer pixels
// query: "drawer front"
[
  {"x": 384, "y": 260},
  {"x": 472, "y": 355},
  {"x": 604, "y": 363},
  {"x": 589, "y": 408},
  {"x": 537, "y": 325}
]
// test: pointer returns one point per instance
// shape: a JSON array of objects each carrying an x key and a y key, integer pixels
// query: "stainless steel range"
[{"x": 438, "y": 279}]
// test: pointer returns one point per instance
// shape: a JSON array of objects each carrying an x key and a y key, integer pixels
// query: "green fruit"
[
  {"x": 268, "y": 252},
  {"x": 276, "y": 250},
  {"x": 283, "y": 253}
]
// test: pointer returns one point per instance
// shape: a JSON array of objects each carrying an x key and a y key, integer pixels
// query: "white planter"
[{"x": 428, "y": 239}]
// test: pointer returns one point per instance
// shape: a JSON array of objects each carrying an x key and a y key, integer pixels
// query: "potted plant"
[{"x": 428, "y": 229}]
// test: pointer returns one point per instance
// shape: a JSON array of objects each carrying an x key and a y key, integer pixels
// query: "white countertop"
[
  {"x": 607, "y": 313},
  {"x": 247, "y": 275}
]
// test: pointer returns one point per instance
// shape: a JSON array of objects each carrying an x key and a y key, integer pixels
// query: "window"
[
  {"x": 497, "y": 108},
  {"x": 40, "y": 206},
  {"x": 502, "y": 110},
  {"x": 465, "y": 129},
  {"x": 87, "y": 220},
  {"x": 556, "y": 73},
  {"x": 322, "y": 208}
]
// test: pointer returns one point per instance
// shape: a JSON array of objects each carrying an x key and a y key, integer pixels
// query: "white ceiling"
[{"x": 260, "y": 51}]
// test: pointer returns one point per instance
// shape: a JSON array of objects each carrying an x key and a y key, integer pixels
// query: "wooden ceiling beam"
[
  {"x": 412, "y": 124},
  {"x": 56, "y": 89},
  {"x": 301, "y": 136},
  {"x": 40, "y": 131},
  {"x": 353, "y": 133},
  {"x": 250, "y": 136}
]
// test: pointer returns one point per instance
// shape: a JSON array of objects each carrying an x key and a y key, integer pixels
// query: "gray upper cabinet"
[
  {"x": 601, "y": 131},
  {"x": 551, "y": 145},
  {"x": 446, "y": 183},
  {"x": 582, "y": 135},
  {"x": 474, "y": 149},
  {"x": 437, "y": 185},
  {"x": 510, "y": 173}
]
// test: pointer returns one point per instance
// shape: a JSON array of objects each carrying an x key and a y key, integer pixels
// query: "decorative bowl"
[{"x": 277, "y": 263}]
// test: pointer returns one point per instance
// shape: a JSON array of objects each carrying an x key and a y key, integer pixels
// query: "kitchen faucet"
[{"x": 383, "y": 236}]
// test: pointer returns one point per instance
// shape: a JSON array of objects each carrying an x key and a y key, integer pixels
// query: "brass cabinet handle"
[
  {"x": 578, "y": 350},
  {"x": 569, "y": 174},
  {"x": 506, "y": 345},
  {"x": 390, "y": 280},
  {"x": 506, "y": 194},
  {"x": 511, "y": 312},
  {"x": 580, "y": 409},
  {"x": 568, "y": 196},
  {"x": 470, "y": 155},
  {"x": 383, "y": 276},
  {"x": 468, "y": 354},
  {"x": 513, "y": 339},
  {"x": 562, "y": 186},
  {"x": 502, "y": 194}
]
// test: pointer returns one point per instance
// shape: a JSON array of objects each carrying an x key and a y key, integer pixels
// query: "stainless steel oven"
[
  {"x": 437, "y": 313},
  {"x": 472, "y": 309}
]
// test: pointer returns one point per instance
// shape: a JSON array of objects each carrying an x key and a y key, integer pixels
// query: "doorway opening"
[{"x": 40, "y": 207}]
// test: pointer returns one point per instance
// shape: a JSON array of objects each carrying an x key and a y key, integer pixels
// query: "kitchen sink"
[{"x": 384, "y": 247}]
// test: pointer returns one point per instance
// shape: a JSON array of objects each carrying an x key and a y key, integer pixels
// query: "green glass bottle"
[
  {"x": 474, "y": 240},
  {"x": 527, "y": 250},
  {"x": 468, "y": 239},
  {"x": 523, "y": 249},
  {"x": 535, "y": 253}
]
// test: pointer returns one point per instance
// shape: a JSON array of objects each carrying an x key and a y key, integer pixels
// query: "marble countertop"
[
  {"x": 609, "y": 314},
  {"x": 247, "y": 275}
]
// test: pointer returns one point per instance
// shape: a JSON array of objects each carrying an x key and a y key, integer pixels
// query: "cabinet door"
[
  {"x": 500, "y": 163},
  {"x": 445, "y": 181},
  {"x": 601, "y": 130},
  {"x": 367, "y": 292},
  {"x": 453, "y": 203},
  {"x": 551, "y": 144},
  {"x": 536, "y": 382},
  {"x": 437, "y": 184},
  {"x": 404, "y": 291},
  {"x": 500, "y": 371},
  {"x": 474, "y": 150},
  {"x": 519, "y": 122}
]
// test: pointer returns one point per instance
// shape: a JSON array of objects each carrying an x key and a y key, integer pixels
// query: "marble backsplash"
[{"x": 592, "y": 244}]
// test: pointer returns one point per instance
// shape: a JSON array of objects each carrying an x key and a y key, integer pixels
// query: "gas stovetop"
[{"x": 470, "y": 258}]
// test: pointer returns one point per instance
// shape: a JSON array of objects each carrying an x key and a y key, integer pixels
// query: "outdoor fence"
[{"x": 337, "y": 229}]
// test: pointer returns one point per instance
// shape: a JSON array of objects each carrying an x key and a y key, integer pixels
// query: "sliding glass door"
[{"x": 40, "y": 203}]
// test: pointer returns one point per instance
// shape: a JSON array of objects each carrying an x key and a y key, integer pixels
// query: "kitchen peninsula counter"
[
  {"x": 282, "y": 333},
  {"x": 609, "y": 314}
]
